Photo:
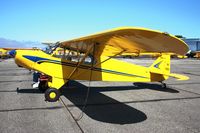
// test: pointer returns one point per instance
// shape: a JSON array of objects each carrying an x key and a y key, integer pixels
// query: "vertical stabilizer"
[{"x": 160, "y": 69}]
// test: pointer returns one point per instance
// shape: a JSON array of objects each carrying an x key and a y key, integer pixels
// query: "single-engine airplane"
[
  {"x": 92, "y": 58},
  {"x": 3, "y": 53}
]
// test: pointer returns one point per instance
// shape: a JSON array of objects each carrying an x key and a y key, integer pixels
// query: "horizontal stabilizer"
[{"x": 178, "y": 76}]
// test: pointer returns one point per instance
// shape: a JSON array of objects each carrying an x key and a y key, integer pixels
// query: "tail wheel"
[
  {"x": 52, "y": 95},
  {"x": 163, "y": 85},
  {"x": 43, "y": 86}
]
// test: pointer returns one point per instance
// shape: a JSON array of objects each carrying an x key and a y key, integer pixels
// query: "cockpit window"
[
  {"x": 77, "y": 57},
  {"x": 50, "y": 48},
  {"x": 71, "y": 55},
  {"x": 68, "y": 54}
]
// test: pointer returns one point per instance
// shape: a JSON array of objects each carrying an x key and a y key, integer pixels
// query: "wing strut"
[{"x": 88, "y": 88}]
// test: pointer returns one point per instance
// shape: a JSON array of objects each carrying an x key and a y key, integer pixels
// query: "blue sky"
[{"x": 54, "y": 20}]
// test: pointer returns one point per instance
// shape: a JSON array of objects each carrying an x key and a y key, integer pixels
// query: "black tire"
[
  {"x": 43, "y": 86},
  {"x": 164, "y": 85},
  {"x": 52, "y": 95}
]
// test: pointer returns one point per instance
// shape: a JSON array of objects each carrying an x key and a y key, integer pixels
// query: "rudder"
[{"x": 160, "y": 69}]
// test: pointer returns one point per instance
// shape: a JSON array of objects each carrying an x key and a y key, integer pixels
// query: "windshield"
[{"x": 50, "y": 48}]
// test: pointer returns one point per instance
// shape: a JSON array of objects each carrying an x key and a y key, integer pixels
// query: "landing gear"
[
  {"x": 52, "y": 95},
  {"x": 163, "y": 85},
  {"x": 43, "y": 82},
  {"x": 43, "y": 86}
]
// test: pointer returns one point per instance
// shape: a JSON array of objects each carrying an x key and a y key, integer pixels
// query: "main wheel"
[
  {"x": 52, "y": 95},
  {"x": 164, "y": 85},
  {"x": 43, "y": 86}
]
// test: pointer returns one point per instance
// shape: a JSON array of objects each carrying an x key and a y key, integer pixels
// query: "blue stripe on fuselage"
[
  {"x": 34, "y": 58},
  {"x": 40, "y": 60}
]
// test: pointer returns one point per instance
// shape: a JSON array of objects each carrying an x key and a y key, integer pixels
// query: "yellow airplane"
[
  {"x": 3, "y": 53},
  {"x": 182, "y": 56},
  {"x": 145, "y": 54},
  {"x": 153, "y": 55},
  {"x": 92, "y": 58}
]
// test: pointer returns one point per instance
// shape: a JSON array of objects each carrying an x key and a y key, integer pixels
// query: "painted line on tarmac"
[
  {"x": 67, "y": 109},
  {"x": 37, "y": 108},
  {"x": 138, "y": 101}
]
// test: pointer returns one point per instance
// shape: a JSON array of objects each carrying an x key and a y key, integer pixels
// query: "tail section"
[
  {"x": 161, "y": 65},
  {"x": 179, "y": 76},
  {"x": 160, "y": 69}
]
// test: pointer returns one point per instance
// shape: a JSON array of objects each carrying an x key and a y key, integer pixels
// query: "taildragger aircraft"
[
  {"x": 92, "y": 58},
  {"x": 5, "y": 52}
]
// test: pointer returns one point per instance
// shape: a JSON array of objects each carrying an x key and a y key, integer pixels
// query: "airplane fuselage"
[{"x": 59, "y": 69}]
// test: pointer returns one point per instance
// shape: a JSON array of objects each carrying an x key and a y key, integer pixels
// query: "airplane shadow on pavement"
[
  {"x": 101, "y": 107},
  {"x": 37, "y": 91},
  {"x": 104, "y": 108}
]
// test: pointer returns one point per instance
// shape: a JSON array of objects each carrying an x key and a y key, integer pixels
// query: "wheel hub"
[{"x": 52, "y": 95}]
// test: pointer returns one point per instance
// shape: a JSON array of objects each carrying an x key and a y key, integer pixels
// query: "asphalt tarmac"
[{"x": 117, "y": 107}]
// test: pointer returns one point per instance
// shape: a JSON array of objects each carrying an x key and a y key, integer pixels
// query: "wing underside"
[{"x": 129, "y": 40}]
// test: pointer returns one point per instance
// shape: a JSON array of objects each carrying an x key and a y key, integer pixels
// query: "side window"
[
  {"x": 72, "y": 55},
  {"x": 77, "y": 57},
  {"x": 59, "y": 53},
  {"x": 88, "y": 60}
]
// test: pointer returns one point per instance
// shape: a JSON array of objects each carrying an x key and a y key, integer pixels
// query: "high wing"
[{"x": 129, "y": 40}]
